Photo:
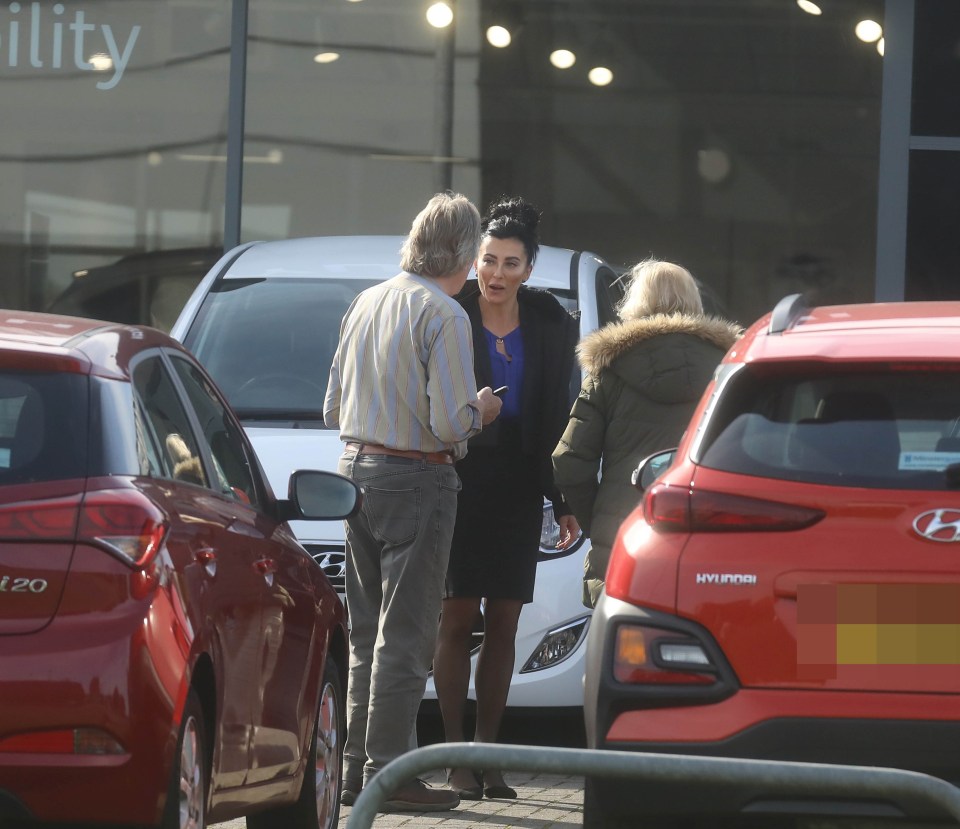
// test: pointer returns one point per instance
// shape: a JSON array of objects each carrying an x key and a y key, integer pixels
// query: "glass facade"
[
  {"x": 933, "y": 212},
  {"x": 741, "y": 138},
  {"x": 104, "y": 103}
]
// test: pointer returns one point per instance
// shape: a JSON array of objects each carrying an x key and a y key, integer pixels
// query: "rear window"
[
  {"x": 880, "y": 428},
  {"x": 43, "y": 426}
]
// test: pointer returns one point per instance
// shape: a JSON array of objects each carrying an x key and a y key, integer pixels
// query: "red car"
[
  {"x": 789, "y": 586},
  {"x": 169, "y": 654}
]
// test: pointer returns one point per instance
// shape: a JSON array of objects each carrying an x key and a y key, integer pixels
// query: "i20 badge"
[
  {"x": 938, "y": 524},
  {"x": 22, "y": 585}
]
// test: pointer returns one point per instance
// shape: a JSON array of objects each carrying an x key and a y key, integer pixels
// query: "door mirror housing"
[
  {"x": 651, "y": 468},
  {"x": 315, "y": 495}
]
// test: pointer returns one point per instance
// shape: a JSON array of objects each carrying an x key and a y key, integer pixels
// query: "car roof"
[
  {"x": 363, "y": 257},
  {"x": 76, "y": 343},
  {"x": 881, "y": 331}
]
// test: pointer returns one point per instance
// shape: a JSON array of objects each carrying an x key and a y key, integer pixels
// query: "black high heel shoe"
[
  {"x": 468, "y": 793},
  {"x": 498, "y": 791}
]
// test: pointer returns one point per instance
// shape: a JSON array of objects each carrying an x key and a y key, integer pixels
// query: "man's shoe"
[
  {"x": 417, "y": 796},
  {"x": 349, "y": 793}
]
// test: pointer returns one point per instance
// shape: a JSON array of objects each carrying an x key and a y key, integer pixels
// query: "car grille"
[{"x": 333, "y": 561}]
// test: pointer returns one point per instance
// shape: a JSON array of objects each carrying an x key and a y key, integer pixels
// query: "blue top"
[{"x": 507, "y": 372}]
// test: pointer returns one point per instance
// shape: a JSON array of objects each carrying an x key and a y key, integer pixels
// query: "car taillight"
[
  {"x": 45, "y": 520},
  {"x": 124, "y": 522},
  {"x": 682, "y": 509},
  {"x": 646, "y": 655}
]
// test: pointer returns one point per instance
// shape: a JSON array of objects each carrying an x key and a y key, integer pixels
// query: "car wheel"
[
  {"x": 187, "y": 798},
  {"x": 318, "y": 806}
]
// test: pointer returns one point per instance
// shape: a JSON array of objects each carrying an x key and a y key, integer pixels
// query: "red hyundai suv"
[
  {"x": 789, "y": 586},
  {"x": 169, "y": 654}
]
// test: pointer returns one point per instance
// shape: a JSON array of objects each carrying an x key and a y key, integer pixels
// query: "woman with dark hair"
[{"x": 524, "y": 340}]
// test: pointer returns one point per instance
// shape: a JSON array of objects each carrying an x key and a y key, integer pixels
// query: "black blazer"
[{"x": 550, "y": 334}]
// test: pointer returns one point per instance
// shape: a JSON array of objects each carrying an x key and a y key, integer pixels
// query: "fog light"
[{"x": 556, "y": 646}]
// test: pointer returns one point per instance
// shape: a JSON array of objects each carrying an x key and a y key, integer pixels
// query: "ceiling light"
[
  {"x": 880, "y": 47},
  {"x": 600, "y": 76},
  {"x": 440, "y": 15},
  {"x": 101, "y": 62},
  {"x": 868, "y": 31},
  {"x": 498, "y": 36},
  {"x": 326, "y": 57},
  {"x": 562, "y": 58},
  {"x": 809, "y": 7}
]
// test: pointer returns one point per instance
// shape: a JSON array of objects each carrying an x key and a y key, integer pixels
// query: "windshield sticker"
[{"x": 928, "y": 460}]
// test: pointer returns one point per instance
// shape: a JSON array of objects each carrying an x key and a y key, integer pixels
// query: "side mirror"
[
  {"x": 652, "y": 468},
  {"x": 320, "y": 496}
]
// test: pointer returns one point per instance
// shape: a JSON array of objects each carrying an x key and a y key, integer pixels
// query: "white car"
[{"x": 265, "y": 323}]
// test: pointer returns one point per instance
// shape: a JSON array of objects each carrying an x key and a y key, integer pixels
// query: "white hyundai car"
[{"x": 265, "y": 322}]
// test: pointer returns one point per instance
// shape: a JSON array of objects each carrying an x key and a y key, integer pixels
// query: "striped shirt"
[{"x": 402, "y": 375}]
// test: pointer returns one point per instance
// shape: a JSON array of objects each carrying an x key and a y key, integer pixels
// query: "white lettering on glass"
[{"x": 43, "y": 37}]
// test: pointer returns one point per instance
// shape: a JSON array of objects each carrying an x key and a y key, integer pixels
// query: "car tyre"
[
  {"x": 186, "y": 806},
  {"x": 318, "y": 806}
]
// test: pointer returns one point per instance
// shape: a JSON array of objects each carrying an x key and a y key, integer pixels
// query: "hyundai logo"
[{"x": 938, "y": 524}]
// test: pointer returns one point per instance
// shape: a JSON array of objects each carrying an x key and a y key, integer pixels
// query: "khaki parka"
[{"x": 642, "y": 381}]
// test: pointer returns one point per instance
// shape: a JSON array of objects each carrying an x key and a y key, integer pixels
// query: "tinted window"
[
  {"x": 230, "y": 461},
  {"x": 43, "y": 426},
  {"x": 171, "y": 432},
  {"x": 268, "y": 343},
  {"x": 897, "y": 429}
]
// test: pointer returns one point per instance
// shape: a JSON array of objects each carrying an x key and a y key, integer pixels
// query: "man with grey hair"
[{"x": 403, "y": 395}]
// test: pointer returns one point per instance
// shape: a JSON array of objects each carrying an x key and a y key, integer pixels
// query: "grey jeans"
[{"x": 398, "y": 546}]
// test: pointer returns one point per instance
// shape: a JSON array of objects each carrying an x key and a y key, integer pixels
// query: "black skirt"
[{"x": 499, "y": 518}]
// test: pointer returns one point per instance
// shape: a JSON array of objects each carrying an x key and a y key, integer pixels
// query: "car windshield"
[
  {"x": 268, "y": 343},
  {"x": 890, "y": 427}
]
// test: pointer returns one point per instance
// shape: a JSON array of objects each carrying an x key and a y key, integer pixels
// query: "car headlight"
[
  {"x": 550, "y": 535},
  {"x": 556, "y": 645}
]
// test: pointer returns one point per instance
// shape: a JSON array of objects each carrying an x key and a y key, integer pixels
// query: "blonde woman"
[{"x": 643, "y": 378}]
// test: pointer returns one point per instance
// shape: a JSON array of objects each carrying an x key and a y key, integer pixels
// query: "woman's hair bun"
[
  {"x": 514, "y": 218},
  {"x": 515, "y": 208}
]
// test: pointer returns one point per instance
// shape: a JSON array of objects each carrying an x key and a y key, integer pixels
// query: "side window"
[
  {"x": 176, "y": 447},
  {"x": 149, "y": 457},
  {"x": 223, "y": 437}
]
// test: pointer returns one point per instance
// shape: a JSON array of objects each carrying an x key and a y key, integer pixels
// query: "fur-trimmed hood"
[
  {"x": 600, "y": 349},
  {"x": 665, "y": 358}
]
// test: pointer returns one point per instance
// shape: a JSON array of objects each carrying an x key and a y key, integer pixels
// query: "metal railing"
[{"x": 801, "y": 779}]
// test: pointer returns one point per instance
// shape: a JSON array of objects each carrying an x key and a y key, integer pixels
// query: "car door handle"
[
  {"x": 266, "y": 567},
  {"x": 208, "y": 558}
]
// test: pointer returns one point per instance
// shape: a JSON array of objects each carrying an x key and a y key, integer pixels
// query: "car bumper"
[
  {"x": 916, "y": 732},
  {"x": 555, "y": 622},
  {"x": 106, "y": 678}
]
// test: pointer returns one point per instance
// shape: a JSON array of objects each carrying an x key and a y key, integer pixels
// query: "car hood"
[{"x": 282, "y": 451}]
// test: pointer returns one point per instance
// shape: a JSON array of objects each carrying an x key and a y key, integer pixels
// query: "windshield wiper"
[{"x": 285, "y": 415}]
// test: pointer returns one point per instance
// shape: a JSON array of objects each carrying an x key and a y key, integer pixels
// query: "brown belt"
[{"x": 374, "y": 449}]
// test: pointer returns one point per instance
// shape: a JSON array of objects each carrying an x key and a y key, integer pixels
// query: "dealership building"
[{"x": 771, "y": 146}]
